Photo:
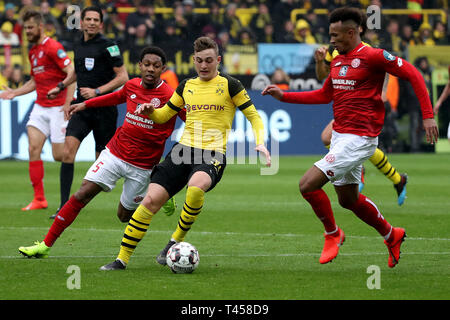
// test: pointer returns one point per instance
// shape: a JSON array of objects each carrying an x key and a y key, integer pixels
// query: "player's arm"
[
  {"x": 121, "y": 76},
  {"x": 321, "y": 96},
  {"x": 381, "y": 59},
  {"x": 70, "y": 71},
  {"x": 171, "y": 108},
  {"x": 242, "y": 101},
  {"x": 9, "y": 93},
  {"x": 110, "y": 99},
  {"x": 444, "y": 95},
  {"x": 323, "y": 59},
  {"x": 160, "y": 115}
]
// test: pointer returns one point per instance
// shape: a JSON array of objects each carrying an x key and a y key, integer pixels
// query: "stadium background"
[{"x": 261, "y": 42}]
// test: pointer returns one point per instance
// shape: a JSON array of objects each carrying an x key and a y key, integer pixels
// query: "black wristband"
[{"x": 61, "y": 86}]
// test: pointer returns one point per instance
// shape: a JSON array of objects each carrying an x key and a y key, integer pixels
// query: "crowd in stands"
[{"x": 175, "y": 24}]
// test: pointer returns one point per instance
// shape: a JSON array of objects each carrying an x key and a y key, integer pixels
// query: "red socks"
[
  {"x": 65, "y": 217},
  {"x": 321, "y": 205},
  {"x": 364, "y": 209},
  {"x": 36, "y": 170},
  {"x": 368, "y": 212}
]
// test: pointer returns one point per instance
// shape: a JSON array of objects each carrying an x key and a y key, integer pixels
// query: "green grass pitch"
[{"x": 257, "y": 238}]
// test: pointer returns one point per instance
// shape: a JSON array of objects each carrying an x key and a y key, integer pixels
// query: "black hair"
[
  {"x": 92, "y": 8},
  {"x": 154, "y": 50},
  {"x": 347, "y": 14}
]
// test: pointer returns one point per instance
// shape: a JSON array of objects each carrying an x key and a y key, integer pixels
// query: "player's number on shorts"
[{"x": 97, "y": 166}]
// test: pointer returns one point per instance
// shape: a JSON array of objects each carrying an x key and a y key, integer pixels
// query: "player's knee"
[
  {"x": 34, "y": 151},
  {"x": 305, "y": 186},
  {"x": 151, "y": 203},
  {"x": 57, "y": 156}
]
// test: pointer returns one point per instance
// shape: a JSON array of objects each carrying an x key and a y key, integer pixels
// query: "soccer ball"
[{"x": 182, "y": 257}]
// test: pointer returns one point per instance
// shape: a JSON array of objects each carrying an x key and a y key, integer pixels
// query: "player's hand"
[
  {"x": 145, "y": 109},
  {"x": 74, "y": 108},
  {"x": 7, "y": 93},
  {"x": 274, "y": 91},
  {"x": 436, "y": 108},
  {"x": 320, "y": 54},
  {"x": 262, "y": 148},
  {"x": 431, "y": 130},
  {"x": 87, "y": 93},
  {"x": 52, "y": 93}
]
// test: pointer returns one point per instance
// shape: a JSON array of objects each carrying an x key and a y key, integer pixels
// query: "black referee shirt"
[{"x": 94, "y": 62}]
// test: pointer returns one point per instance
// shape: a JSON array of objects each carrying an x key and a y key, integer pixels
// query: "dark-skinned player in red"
[{"x": 354, "y": 85}]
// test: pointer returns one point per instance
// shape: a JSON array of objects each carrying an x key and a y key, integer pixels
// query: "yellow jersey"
[{"x": 210, "y": 109}]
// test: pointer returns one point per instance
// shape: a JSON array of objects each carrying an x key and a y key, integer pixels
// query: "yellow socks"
[
  {"x": 134, "y": 232},
  {"x": 380, "y": 161},
  {"x": 191, "y": 208}
]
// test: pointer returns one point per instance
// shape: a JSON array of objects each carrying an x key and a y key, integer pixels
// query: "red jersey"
[
  {"x": 355, "y": 84},
  {"x": 139, "y": 141},
  {"x": 47, "y": 59}
]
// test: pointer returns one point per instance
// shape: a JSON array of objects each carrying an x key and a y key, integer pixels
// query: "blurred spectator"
[
  {"x": 246, "y": 37},
  {"x": 50, "y": 30},
  {"x": 210, "y": 32},
  {"x": 391, "y": 39},
  {"x": 138, "y": 41},
  {"x": 215, "y": 17},
  {"x": 439, "y": 33},
  {"x": 168, "y": 40},
  {"x": 302, "y": 32},
  {"x": 425, "y": 35},
  {"x": 181, "y": 24},
  {"x": 122, "y": 4},
  {"x": 280, "y": 79},
  {"x": 269, "y": 34},
  {"x": 16, "y": 78},
  {"x": 281, "y": 11},
  {"x": 193, "y": 23},
  {"x": 287, "y": 34},
  {"x": 232, "y": 22},
  {"x": 113, "y": 28},
  {"x": 372, "y": 38},
  {"x": 7, "y": 36},
  {"x": 407, "y": 37},
  {"x": 224, "y": 40},
  {"x": 319, "y": 26},
  {"x": 259, "y": 21},
  {"x": 141, "y": 16},
  {"x": 48, "y": 17},
  {"x": 26, "y": 5},
  {"x": 5, "y": 74}
]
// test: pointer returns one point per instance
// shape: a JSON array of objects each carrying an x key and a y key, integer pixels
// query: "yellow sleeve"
[
  {"x": 162, "y": 115},
  {"x": 257, "y": 125},
  {"x": 171, "y": 108}
]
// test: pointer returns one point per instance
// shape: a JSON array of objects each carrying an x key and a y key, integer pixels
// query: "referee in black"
[{"x": 99, "y": 69}]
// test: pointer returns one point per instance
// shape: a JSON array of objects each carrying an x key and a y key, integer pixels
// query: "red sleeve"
[
  {"x": 321, "y": 96},
  {"x": 59, "y": 55},
  {"x": 401, "y": 68},
  {"x": 110, "y": 99}
]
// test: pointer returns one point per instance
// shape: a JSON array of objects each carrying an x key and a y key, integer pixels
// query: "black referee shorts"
[
  {"x": 182, "y": 162},
  {"x": 101, "y": 121}
]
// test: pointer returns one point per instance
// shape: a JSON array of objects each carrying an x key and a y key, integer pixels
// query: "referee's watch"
[{"x": 97, "y": 91}]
